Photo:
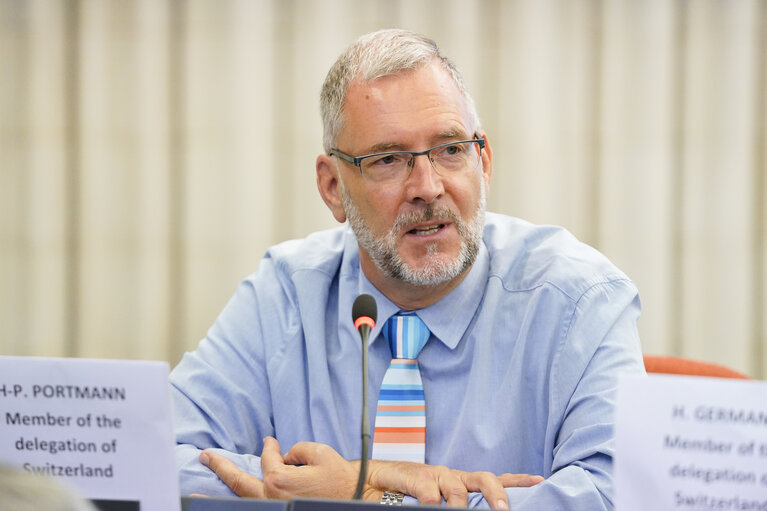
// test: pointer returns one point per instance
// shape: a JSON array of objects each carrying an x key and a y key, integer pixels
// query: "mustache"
[{"x": 406, "y": 221}]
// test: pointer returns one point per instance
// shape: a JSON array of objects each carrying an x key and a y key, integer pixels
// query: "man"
[{"x": 528, "y": 329}]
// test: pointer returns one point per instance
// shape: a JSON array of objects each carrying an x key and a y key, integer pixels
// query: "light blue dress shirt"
[{"x": 519, "y": 374}]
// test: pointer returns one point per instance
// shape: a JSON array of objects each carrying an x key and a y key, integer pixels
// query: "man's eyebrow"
[
  {"x": 453, "y": 133},
  {"x": 447, "y": 135},
  {"x": 384, "y": 147}
]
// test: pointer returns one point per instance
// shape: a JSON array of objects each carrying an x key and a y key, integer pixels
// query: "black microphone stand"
[
  {"x": 364, "y": 313},
  {"x": 365, "y": 432}
]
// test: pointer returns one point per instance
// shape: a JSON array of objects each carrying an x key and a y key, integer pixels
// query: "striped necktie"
[{"x": 400, "y": 426}]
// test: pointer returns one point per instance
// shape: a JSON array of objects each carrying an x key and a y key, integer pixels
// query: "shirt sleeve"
[
  {"x": 600, "y": 345},
  {"x": 214, "y": 405}
]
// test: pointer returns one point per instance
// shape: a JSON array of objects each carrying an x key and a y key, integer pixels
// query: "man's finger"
[
  {"x": 241, "y": 483},
  {"x": 308, "y": 453},
  {"x": 519, "y": 480},
  {"x": 422, "y": 483},
  {"x": 490, "y": 485},
  {"x": 271, "y": 457},
  {"x": 452, "y": 487}
]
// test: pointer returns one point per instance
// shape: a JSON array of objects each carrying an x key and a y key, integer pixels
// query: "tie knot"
[{"x": 406, "y": 334}]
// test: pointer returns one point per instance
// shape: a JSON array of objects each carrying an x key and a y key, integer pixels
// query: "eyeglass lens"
[{"x": 445, "y": 159}]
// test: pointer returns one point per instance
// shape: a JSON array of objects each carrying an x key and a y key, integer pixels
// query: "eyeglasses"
[{"x": 395, "y": 166}]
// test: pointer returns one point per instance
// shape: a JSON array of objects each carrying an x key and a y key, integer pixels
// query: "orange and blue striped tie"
[{"x": 400, "y": 426}]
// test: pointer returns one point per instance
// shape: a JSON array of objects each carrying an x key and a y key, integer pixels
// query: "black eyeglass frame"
[{"x": 357, "y": 160}]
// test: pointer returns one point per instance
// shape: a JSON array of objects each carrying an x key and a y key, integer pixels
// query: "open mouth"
[{"x": 426, "y": 230}]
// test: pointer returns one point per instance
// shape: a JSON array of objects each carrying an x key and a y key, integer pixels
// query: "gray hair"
[{"x": 375, "y": 55}]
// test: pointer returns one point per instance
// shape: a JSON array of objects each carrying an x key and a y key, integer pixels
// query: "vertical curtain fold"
[{"x": 150, "y": 152}]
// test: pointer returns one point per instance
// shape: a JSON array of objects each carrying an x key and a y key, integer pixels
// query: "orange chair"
[{"x": 666, "y": 364}]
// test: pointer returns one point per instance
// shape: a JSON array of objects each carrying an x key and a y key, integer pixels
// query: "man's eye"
[
  {"x": 453, "y": 149},
  {"x": 389, "y": 159}
]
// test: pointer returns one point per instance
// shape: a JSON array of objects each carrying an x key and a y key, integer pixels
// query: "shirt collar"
[{"x": 447, "y": 319}]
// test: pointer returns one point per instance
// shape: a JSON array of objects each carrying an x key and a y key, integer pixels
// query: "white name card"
[
  {"x": 690, "y": 443},
  {"x": 103, "y": 426}
]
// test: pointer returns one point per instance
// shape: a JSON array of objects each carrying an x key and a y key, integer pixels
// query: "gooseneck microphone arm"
[{"x": 364, "y": 312}]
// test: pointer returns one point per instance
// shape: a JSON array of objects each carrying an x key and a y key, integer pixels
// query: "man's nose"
[{"x": 423, "y": 182}]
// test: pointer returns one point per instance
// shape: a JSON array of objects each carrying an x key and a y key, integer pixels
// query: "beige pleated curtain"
[{"x": 150, "y": 151}]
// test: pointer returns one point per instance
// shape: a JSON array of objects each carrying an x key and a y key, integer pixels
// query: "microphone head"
[{"x": 364, "y": 307}]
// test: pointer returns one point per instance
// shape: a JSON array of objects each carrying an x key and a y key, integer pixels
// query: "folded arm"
[{"x": 315, "y": 470}]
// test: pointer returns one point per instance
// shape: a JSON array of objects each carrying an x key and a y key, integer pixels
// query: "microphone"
[{"x": 364, "y": 312}]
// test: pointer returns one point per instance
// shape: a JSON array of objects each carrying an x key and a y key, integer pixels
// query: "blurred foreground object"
[{"x": 22, "y": 491}]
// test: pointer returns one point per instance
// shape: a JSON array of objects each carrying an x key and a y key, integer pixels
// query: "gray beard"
[{"x": 383, "y": 250}]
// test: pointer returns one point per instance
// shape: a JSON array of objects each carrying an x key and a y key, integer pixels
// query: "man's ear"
[
  {"x": 487, "y": 161},
  {"x": 329, "y": 185}
]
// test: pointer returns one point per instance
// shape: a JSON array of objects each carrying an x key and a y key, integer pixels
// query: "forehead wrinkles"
[{"x": 375, "y": 112}]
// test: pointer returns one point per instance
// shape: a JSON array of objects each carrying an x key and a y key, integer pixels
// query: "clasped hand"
[{"x": 314, "y": 470}]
